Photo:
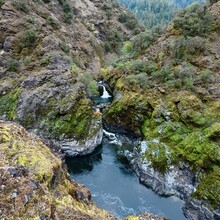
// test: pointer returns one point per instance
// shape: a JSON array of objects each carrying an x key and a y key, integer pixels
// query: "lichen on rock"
[{"x": 34, "y": 183}]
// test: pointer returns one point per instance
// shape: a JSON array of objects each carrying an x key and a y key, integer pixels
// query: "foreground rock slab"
[{"x": 34, "y": 184}]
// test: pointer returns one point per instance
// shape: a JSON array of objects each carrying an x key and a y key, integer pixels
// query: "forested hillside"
[{"x": 153, "y": 13}]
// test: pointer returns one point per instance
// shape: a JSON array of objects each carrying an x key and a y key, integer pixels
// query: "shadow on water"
[
  {"x": 116, "y": 188},
  {"x": 81, "y": 164}
]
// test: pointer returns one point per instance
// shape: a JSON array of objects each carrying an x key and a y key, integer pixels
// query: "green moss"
[
  {"x": 22, "y": 149},
  {"x": 8, "y": 104},
  {"x": 74, "y": 124},
  {"x": 209, "y": 188},
  {"x": 158, "y": 155},
  {"x": 198, "y": 149}
]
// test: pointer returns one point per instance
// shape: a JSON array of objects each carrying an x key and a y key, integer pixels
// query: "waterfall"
[
  {"x": 110, "y": 136},
  {"x": 105, "y": 94},
  {"x": 1, "y": 52}
]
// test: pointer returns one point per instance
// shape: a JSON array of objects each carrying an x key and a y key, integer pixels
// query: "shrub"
[
  {"x": 29, "y": 38},
  {"x": 188, "y": 82},
  {"x": 164, "y": 74},
  {"x": 90, "y": 84},
  {"x": 195, "y": 21},
  {"x": 142, "y": 41},
  {"x": 107, "y": 47},
  {"x": 2, "y": 2},
  {"x": 140, "y": 66},
  {"x": 65, "y": 47},
  {"x": 205, "y": 75},
  {"x": 122, "y": 18},
  {"x": 74, "y": 68},
  {"x": 46, "y": 59},
  {"x": 127, "y": 48},
  {"x": 139, "y": 80},
  {"x": 66, "y": 8},
  {"x": 20, "y": 6},
  {"x": 68, "y": 18},
  {"x": 158, "y": 156},
  {"x": 131, "y": 23},
  {"x": 114, "y": 38},
  {"x": 186, "y": 71},
  {"x": 27, "y": 60},
  {"x": 187, "y": 47},
  {"x": 12, "y": 64},
  {"x": 51, "y": 21},
  {"x": 31, "y": 20}
]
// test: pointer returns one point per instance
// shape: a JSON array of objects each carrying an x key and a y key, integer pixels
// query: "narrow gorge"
[{"x": 88, "y": 94}]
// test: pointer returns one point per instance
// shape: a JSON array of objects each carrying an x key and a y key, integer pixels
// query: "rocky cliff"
[{"x": 50, "y": 55}]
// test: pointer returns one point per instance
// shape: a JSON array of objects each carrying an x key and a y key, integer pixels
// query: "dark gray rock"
[
  {"x": 9, "y": 43},
  {"x": 177, "y": 181},
  {"x": 194, "y": 209}
]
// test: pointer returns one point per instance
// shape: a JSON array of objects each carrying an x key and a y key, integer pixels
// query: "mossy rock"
[
  {"x": 209, "y": 188},
  {"x": 18, "y": 148},
  {"x": 8, "y": 104},
  {"x": 157, "y": 153},
  {"x": 35, "y": 180},
  {"x": 199, "y": 149}
]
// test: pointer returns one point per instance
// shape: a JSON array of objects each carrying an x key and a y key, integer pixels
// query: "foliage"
[
  {"x": 114, "y": 40},
  {"x": 195, "y": 21},
  {"x": 20, "y": 6},
  {"x": 29, "y": 39},
  {"x": 185, "y": 48},
  {"x": 12, "y": 64},
  {"x": 91, "y": 86},
  {"x": 143, "y": 40},
  {"x": 209, "y": 188},
  {"x": 51, "y": 21},
  {"x": 31, "y": 20},
  {"x": 68, "y": 13},
  {"x": 107, "y": 47},
  {"x": 164, "y": 74},
  {"x": 158, "y": 155},
  {"x": 66, "y": 8},
  {"x": 65, "y": 47},
  {"x": 139, "y": 80},
  {"x": 8, "y": 104},
  {"x": 68, "y": 18},
  {"x": 2, "y": 2},
  {"x": 127, "y": 48}
]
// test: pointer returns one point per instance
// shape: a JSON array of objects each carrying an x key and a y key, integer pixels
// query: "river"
[{"x": 116, "y": 188}]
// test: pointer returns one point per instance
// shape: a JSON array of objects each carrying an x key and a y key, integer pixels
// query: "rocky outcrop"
[
  {"x": 86, "y": 146},
  {"x": 195, "y": 209},
  {"x": 178, "y": 180},
  {"x": 34, "y": 183}
]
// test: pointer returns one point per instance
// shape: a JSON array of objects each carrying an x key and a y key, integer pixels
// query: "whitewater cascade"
[{"x": 105, "y": 94}]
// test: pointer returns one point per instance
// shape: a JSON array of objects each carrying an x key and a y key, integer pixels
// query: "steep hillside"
[
  {"x": 169, "y": 95},
  {"x": 50, "y": 54}
]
